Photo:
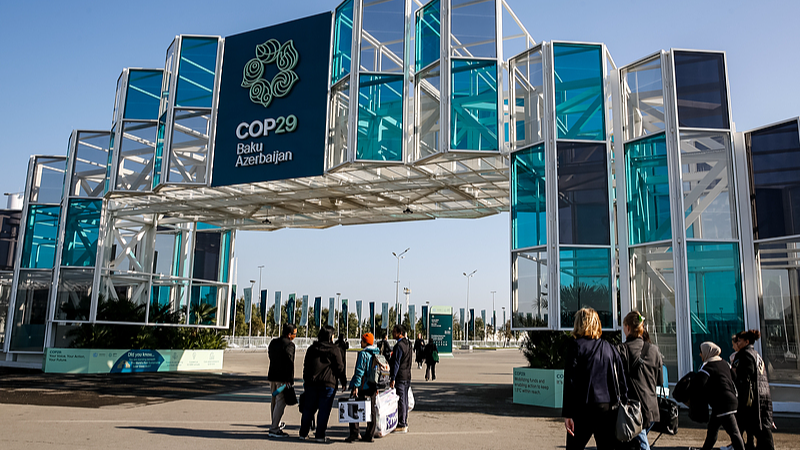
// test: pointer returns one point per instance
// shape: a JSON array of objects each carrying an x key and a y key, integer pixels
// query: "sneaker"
[
  {"x": 322, "y": 440},
  {"x": 282, "y": 425},
  {"x": 303, "y": 438},
  {"x": 351, "y": 438},
  {"x": 278, "y": 434},
  {"x": 401, "y": 430},
  {"x": 727, "y": 447}
]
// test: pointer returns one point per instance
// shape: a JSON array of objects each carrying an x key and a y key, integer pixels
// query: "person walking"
[
  {"x": 593, "y": 376},
  {"x": 431, "y": 358},
  {"x": 361, "y": 389},
  {"x": 714, "y": 384},
  {"x": 642, "y": 363},
  {"x": 400, "y": 375},
  {"x": 419, "y": 350},
  {"x": 280, "y": 375},
  {"x": 754, "y": 414},
  {"x": 385, "y": 347},
  {"x": 322, "y": 369},
  {"x": 343, "y": 346}
]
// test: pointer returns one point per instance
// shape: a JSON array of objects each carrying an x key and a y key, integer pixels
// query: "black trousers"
[
  {"x": 369, "y": 433},
  {"x": 430, "y": 369},
  {"x": 727, "y": 422},
  {"x": 598, "y": 420}
]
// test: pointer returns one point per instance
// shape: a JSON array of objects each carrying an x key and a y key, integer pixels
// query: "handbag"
[
  {"x": 289, "y": 395},
  {"x": 668, "y": 416},
  {"x": 629, "y": 415}
]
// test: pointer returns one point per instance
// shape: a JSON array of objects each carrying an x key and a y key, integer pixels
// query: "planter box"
[
  {"x": 538, "y": 387},
  {"x": 73, "y": 360}
]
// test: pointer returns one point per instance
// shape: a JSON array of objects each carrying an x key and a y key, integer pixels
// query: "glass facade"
[
  {"x": 380, "y": 118},
  {"x": 428, "y": 34},
  {"x": 81, "y": 233},
  {"x": 529, "y": 98},
  {"x": 583, "y": 204},
  {"x": 473, "y": 32},
  {"x": 196, "y": 71},
  {"x": 47, "y": 185},
  {"x": 643, "y": 94},
  {"x": 774, "y": 156},
  {"x": 715, "y": 295},
  {"x": 382, "y": 35},
  {"x": 41, "y": 232},
  {"x": 585, "y": 282},
  {"x": 428, "y": 113},
  {"x": 158, "y": 159},
  {"x": 473, "y": 112},
  {"x": 207, "y": 256},
  {"x": 30, "y": 311},
  {"x": 74, "y": 296},
  {"x": 144, "y": 94},
  {"x": 528, "y": 199},
  {"x": 342, "y": 41},
  {"x": 700, "y": 85},
  {"x": 136, "y": 153},
  {"x": 647, "y": 183},
  {"x": 339, "y": 124},
  {"x": 123, "y": 297},
  {"x": 203, "y": 304},
  {"x": 89, "y": 164},
  {"x": 530, "y": 307},
  {"x": 189, "y": 146},
  {"x": 579, "y": 91}
]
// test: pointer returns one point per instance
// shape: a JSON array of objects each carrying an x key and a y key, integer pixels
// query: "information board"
[{"x": 441, "y": 319}]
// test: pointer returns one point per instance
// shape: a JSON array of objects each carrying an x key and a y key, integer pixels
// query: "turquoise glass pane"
[
  {"x": 159, "y": 157},
  {"x": 583, "y": 205},
  {"x": 226, "y": 256},
  {"x": 428, "y": 34},
  {"x": 203, "y": 308},
  {"x": 648, "y": 190},
  {"x": 528, "y": 215},
  {"x": 715, "y": 295},
  {"x": 585, "y": 283},
  {"x": 579, "y": 91},
  {"x": 196, "y": 71},
  {"x": 380, "y": 118},
  {"x": 206, "y": 226},
  {"x": 81, "y": 233},
  {"x": 342, "y": 41},
  {"x": 41, "y": 230},
  {"x": 144, "y": 94},
  {"x": 110, "y": 159},
  {"x": 473, "y": 112}
]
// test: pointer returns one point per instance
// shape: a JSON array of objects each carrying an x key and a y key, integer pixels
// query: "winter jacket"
[
  {"x": 363, "y": 363},
  {"x": 419, "y": 350},
  {"x": 386, "y": 348},
  {"x": 589, "y": 376},
  {"x": 429, "y": 349},
  {"x": 323, "y": 365},
  {"x": 400, "y": 363},
  {"x": 713, "y": 384},
  {"x": 343, "y": 346},
  {"x": 751, "y": 376},
  {"x": 643, "y": 377},
  {"x": 281, "y": 360}
]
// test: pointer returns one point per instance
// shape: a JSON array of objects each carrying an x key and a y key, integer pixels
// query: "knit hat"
[
  {"x": 368, "y": 338},
  {"x": 710, "y": 350}
]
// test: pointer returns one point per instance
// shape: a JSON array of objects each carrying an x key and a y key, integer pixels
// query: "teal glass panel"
[
  {"x": 196, "y": 70},
  {"x": 159, "y": 156},
  {"x": 528, "y": 200},
  {"x": 579, "y": 91},
  {"x": 160, "y": 305},
  {"x": 583, "y": 205},
  {"x": 647, "y": 190},
  {"x": 203, "y": 307},
  {"x": 380, "y": 118},
  {"x": 429, "y": 112},
  {"x": 109, "y": 160},
  {"x": 643, "y": 94},
  {"x": 473, "y": 112},
  {"x": 342, "y": 41},
  {"x": 144, "y": 94},
  {"x": 82, "y": 230},
  {"x": 715, "y": 295},
  {"x": 41, "y": 231},
  {"x": 428, "y": 34},
  {"x": 585, "y": 283},
  {"x": 226, "y": 256},
  {"x": 206, "y": 256},
  {"x": 206, "y": 226}
]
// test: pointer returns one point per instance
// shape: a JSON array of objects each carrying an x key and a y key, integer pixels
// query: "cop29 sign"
[{"x": 271, "y": 119}]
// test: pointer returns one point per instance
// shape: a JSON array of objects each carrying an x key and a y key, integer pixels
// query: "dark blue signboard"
[{"x": 271, "y": 119}]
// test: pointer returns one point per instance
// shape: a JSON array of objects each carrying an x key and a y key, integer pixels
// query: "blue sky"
[{"x": 59, "y": 62}]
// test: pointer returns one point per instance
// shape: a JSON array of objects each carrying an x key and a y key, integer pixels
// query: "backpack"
[
  {"x": 435, "y": 356},
  {"x": 378, "y": 372}
]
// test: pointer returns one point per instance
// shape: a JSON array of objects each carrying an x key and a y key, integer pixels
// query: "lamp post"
[
  {"x": 407, "y": 292},
  {"x": 502, "y": 336},
  {"x": 466, "y": 322},
  {"x": 397, "y": 281},
  {"x": 428, "y": 323},
  {"x": 336, "y": 319},
  {"x": 250, "y": 324},
  {"x": 494, "y": 317},
  {"x": 265, "y": 303}
]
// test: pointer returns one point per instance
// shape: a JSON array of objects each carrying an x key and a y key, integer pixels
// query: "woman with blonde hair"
[
  {"x": 643, "y": 369},
  {"x": 592, "y": 377}
]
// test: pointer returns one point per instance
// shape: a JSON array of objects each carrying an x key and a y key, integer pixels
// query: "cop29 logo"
[{"x": 285, "y": 56}]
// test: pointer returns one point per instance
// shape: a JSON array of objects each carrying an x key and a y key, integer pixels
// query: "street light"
[
  {"x": 265, "y": 303},
  {"x": 338, "y": 320},
  {"x": 466, "y": 322},
  {"x": 428, "y": 323},
  {"x": 397, "y": 282},
  {"x": 503, "y": 337},
  {"x": 494, "y": 317}
]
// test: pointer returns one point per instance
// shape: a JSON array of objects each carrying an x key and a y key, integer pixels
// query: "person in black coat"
[
  {"x": 713, "y": 384},
  {"x": 419, "y": 350},
  {"x": 642, "y": 363},
  {"x": 322, "y": 369},
  {"x": 385, "y": 347},
  {"x": 431, "y": 352},
  {"x": 593, "y": 383},
  {"x": 281, "y": 374},
  {"x": 343, "y": 346},
  {"x": 754, "y": 415}
]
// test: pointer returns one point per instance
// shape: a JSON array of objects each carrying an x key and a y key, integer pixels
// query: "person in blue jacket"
[{"x": 361, "y": 390}]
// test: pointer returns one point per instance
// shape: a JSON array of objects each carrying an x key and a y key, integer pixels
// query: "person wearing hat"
[
  {"x": 714, "y": 383},
  {"x": 360, "y": 388}
]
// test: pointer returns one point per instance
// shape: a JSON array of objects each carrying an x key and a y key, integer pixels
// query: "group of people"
[
  {"x": 599, "y": 376},
  {"x": 324, "y": 371}
]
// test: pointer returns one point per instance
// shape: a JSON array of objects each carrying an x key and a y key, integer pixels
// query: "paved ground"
[{"x": 469, "y": 406}]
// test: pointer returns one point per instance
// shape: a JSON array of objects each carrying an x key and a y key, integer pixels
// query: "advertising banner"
[
  {"x": 304, "y": 313},
  {"x": 74, "y": 360},
  {"x": 233, "y": 303},
  {"x": 372, "y": 318},
  {"x": 277, "y": 311},
  {"x": 385, "y": 316},
  {"x": 331, "y": 311},
  {"x": 472, "y": 322},
  {"x": 461, "y": 319},
  {"x": 358, "y": 310},
  {"x": 271, "y": 119},
  {"x": 248, "y": 304},
  {"x": 412, "y": 322},
  {"x": 263, "y": 306},
  {"x": 290, "y": 308},
  {"x": 441, "y": 328},
  {"x": 345, "y": 315},
  {"x": 425, "y": 318},
  {"x": 317, "y": 310}
]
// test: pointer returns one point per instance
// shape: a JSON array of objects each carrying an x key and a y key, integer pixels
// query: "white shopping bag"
[
  {"x": 387, "y": 413},
  {"x": 411, "y": 401}
]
